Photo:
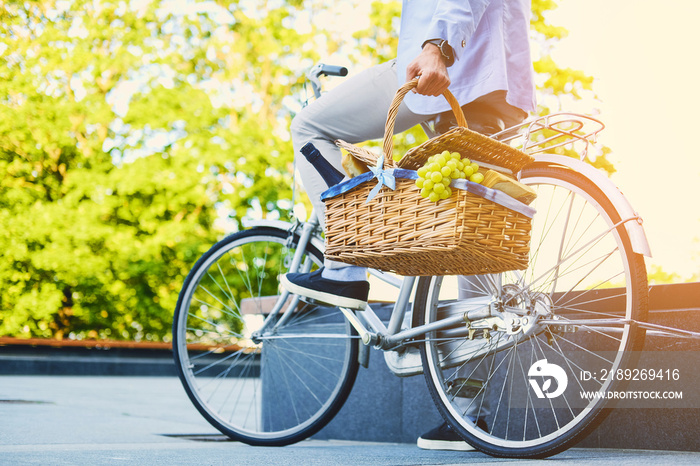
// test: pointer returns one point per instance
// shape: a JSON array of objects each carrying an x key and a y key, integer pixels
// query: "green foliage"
[
  {"x": 658, "y": 276},
  {"x": 539, "y": 23},
  {"x": 126, "y": 130},
  {"x": 381, "y": 39}
]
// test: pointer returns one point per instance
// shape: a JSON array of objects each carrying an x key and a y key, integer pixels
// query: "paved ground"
[{"x": 150, "y": 421}]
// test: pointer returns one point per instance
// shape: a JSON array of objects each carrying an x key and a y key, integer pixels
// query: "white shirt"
[{"x": 490, "y": 39}]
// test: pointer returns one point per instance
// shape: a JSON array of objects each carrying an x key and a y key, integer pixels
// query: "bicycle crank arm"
[{"x": 366, "y": 336}]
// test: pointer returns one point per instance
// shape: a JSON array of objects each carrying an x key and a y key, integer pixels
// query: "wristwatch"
[{"x": 445, "y": 50}]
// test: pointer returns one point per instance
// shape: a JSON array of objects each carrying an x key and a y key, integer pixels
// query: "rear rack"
[{"x": 550, "y": 131}]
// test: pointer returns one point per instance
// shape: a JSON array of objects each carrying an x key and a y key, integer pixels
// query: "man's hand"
[{"x": 430, "y": 66}]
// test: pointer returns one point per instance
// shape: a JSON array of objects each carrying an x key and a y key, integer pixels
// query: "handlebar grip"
[{"x": 331, "y": 70}]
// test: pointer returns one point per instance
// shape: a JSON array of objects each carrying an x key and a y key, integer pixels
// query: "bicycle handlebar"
[
  {"x": 323, "y": 70},
  {"x": 331, "y": 70}
]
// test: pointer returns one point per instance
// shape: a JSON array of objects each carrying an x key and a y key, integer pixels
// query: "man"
[{"x": 480, "y": 50}]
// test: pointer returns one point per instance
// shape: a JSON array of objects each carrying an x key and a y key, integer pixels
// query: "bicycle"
[{"x": 267, "y": 368}]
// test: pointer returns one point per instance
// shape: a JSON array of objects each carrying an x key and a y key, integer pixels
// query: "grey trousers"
[{"x": 355, "y": 112}]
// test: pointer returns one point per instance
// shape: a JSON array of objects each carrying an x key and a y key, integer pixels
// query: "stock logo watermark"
[
  {"x": 653, "y": 379},
  {"x": 542, "y": 374}
]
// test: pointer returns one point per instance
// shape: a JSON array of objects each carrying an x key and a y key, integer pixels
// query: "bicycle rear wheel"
[
  {"x": 260, "y": 377},
  {"x": 559, "y": 326}
]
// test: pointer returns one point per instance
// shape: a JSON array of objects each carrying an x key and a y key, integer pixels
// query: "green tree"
[{"x": 126, "y": 129}]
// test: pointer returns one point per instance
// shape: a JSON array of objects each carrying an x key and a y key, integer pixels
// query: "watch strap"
[{"x": 445, "y": 50}]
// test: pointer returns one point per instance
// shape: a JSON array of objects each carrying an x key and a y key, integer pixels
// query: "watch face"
[
  {"x": 445, "y": 49},
  {"x": 446, "y": 52}
]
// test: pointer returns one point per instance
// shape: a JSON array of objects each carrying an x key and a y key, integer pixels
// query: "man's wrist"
[{"x": 445, "y": 49}]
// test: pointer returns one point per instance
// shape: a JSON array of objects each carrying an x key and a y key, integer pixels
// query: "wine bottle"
[{"x": 329, "y": 174}]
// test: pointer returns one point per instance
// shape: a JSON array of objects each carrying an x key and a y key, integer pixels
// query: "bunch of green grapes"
[{"x": 435, "y": 176}]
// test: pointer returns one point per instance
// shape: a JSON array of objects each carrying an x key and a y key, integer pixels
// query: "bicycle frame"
[{"x": 369, "y": 318}]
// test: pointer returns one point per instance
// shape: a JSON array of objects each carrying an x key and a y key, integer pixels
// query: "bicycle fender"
[
  {"x": 282, "y": 225},
  {"x": 635, "y": 230}
]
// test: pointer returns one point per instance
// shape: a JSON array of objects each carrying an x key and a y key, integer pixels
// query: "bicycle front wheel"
[
  {"x": 528, "y": 379},
  {"x": 261, "y": 366}
]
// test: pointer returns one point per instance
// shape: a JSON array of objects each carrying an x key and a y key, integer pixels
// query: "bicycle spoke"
[
  {"x": 210, "y": 322},
  {"x": 313, "y": 358},
  {"x": 528, "y": 403},
  {"x": 232, "y": 312}
]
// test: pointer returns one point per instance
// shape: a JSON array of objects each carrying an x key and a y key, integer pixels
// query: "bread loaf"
[
  {"x": 510, "y": 186},
  {"x": 352, "y": 166}
]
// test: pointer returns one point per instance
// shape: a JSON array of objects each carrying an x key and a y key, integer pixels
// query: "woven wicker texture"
[
  {"x": 471, "y": 145},
  {"x": 399, "y": 231}
]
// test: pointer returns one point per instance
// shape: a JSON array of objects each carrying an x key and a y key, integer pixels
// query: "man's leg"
[{"x": 355, "y": 111}]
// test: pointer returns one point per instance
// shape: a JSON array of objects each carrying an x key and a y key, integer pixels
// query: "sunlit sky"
[{"x": 643, "y": 57}]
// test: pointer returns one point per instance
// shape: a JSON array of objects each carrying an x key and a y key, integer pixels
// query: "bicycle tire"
[
  {"x": 564, "y": 251},
  {"x": 272, "y": 389}
]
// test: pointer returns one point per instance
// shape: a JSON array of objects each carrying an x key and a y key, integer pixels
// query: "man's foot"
[
  {"x": 445, "y": 438},
  {"x": 337, "y": 293}
]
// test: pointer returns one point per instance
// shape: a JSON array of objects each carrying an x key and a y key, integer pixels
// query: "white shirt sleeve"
[{"x": 455, "y": 21}]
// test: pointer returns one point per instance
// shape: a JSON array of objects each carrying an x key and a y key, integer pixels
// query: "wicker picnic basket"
[{"x": 476, "y": 230}]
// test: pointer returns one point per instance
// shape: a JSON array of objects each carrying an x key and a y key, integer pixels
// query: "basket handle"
[{"x": 394, "y": 109}]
